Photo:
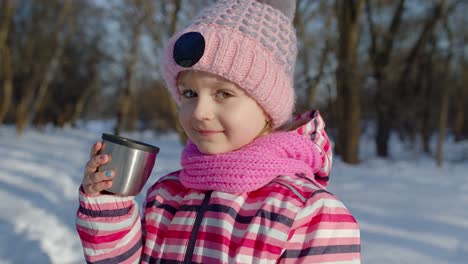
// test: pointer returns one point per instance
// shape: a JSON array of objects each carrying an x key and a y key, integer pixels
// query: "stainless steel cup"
[{"x": 132, "y": 162}]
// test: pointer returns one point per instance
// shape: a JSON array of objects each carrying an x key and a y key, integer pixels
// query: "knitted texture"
[
  {"x": 253, "y": 166},
  {"x": 249, "y": 43}
]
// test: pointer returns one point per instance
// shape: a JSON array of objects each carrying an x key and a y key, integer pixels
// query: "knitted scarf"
[{"x": 253, "y": 166}]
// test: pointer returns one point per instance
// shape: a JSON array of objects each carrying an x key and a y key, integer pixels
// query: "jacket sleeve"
[
  {"x": 109, "y": 228},
  {"x": 324, "y": 231}
]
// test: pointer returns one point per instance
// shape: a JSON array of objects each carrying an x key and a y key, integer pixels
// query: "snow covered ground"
[{"x": 409, "y": 210}]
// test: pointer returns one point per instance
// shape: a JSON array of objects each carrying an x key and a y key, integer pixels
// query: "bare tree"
[
  {"x": 172, "y": 29},
  {"x": 347, "y": 79},
  {"x": 126, "y": 98},
  {"x": 8, "y": 7},
  {"x": 89, "y": 90},
  {"x": 301, "y": 19},
  {"x": 429, "y": 26},
  {"x": 31, "y": 101},
  {"x": 52, "y": 67},
  {"x": 461, "y": 98},
  {"x": 407, "y": 93},
  {"x": 444, "y": 101},
  {"x": 380, "y": 53},
  {"x": 156, "y": 34},
  {"x": 461, "y": 101},
  {"x": 425, "y": 83}
]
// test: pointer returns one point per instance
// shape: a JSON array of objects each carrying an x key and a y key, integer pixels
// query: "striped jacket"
[{"x": 290, "y": 220}]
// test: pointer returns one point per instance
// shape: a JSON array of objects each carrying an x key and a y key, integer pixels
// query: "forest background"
[{"x": 385, "y": 67}]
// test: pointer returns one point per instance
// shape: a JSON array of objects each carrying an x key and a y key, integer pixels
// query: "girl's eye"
[
  {"x": 223, "y": 94},
  {"x": 188, "y": 94}
]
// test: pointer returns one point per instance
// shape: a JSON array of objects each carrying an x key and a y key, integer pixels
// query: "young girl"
[{"x": 252, "y": 184}]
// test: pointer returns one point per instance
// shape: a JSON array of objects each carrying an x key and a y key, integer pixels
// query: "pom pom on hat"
[{"x": 249, "y": 42}]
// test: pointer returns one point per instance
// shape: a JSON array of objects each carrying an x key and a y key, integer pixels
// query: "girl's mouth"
[{"x": 207, "y": 132}]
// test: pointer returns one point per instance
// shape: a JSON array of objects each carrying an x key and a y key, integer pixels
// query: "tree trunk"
[
  {"x": 426, "y": 80},
  {"x": 126, "y": 97},
  {"x": 5, "y": 59},
  {"x": 426, "y": 132},
  {"x": 173, "y": 107},
  {"x": 40, "y": 98},
  {"x": 22, "y": 108},
  {"x": 459, "y": 118},
  {"x": 80, "y": 104},
  {"x": 461, "y": 102},
  {"x": 7, "y": 94},
  {"x": 54, "y": 62},
  {"x": 311, "y": 83},
  {"x": 122, "y": 112},
  {"x": 444, "y": 105},
  {"x": 383, "y": 121},
  {"x": 380, "y": 58},
  {"x": 156, "y": 36},
  {"x": 25, "y": 113},
  {"x": 442, "y": 127},
  {"x": 348, "y": 84},
  {"x": 431, "y": 22}
]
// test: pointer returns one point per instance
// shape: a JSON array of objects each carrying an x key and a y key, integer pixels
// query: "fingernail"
[
  {"x": 108, "y": 173},
  {"x": 102, "y": 157}
]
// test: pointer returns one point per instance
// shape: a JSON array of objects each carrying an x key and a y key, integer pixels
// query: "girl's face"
[{"x": 216, "y": 114}]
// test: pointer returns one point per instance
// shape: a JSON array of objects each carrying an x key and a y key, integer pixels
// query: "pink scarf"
[{"x": 253, "y": 166}]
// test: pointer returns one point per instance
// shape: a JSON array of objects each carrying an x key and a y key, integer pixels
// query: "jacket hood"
[{"x": 311, "y": 125}]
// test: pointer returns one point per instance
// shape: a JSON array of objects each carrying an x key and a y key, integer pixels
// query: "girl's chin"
[{"x": 212, "y": 149}]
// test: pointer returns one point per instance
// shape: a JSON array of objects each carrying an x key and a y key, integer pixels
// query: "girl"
[{"x": 252, "y": 184}]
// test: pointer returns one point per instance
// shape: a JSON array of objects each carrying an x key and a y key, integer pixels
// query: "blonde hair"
[{"x": 267, "y": 129}]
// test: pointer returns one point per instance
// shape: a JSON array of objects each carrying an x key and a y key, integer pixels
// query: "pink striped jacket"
[{"x": 290, "y": 220}]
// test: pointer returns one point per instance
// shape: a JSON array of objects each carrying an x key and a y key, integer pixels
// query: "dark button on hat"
[{"x": 189, "y": 49}]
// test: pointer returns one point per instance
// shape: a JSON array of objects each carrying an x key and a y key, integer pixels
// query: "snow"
[{"x": 409, "y": 210}]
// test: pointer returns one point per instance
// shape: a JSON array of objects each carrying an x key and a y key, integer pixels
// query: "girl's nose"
[{"x": 203, "y": 109}]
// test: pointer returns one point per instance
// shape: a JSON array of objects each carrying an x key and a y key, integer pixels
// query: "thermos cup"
[{"x": 132, "y": 162}]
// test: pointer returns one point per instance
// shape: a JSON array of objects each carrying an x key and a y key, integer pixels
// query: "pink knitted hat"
[{"x": 249, "y": 42}]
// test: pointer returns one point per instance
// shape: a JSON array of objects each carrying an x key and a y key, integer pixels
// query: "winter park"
[{"x": 388, "y": 77}]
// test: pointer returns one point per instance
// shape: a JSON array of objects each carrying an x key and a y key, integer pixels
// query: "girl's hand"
[{"x": 95, "y": 182}]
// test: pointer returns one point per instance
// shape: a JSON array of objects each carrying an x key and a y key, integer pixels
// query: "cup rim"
[{"x": 134, "y": 144}]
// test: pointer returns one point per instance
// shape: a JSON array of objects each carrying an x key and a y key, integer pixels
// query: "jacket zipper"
[{"x": 196, "y": 227}]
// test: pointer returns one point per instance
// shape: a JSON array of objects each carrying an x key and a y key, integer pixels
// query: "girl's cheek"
[{"x": 185, "y": 114}]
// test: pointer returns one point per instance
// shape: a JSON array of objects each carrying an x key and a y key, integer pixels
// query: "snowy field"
[{"x": 409, "y": 210}]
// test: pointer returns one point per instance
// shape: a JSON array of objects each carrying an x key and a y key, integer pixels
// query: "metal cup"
[{"x": 132, "y": 162}]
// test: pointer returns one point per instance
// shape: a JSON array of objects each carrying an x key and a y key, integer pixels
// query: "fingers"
[
  {"x": 96, "y": 161},
  {"x": 95, "y": 149},
  {"x": 94, "y": 183}
]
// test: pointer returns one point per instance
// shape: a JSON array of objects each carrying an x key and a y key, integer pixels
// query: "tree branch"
[
  {"x": 370, "y": 23},
  {"x": 389, "y": 38}
]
